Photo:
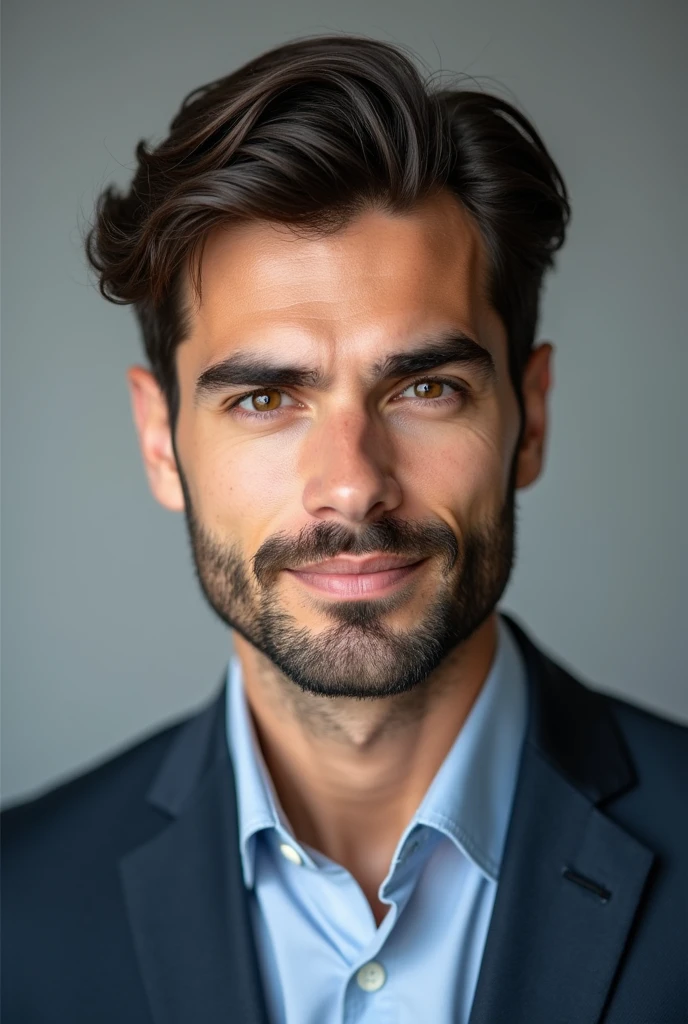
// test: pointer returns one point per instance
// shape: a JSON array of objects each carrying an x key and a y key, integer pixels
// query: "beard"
[{"x": 359, "y": 655}]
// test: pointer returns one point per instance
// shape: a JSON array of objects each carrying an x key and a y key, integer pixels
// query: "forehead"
[{"x": 380, "y": 278}]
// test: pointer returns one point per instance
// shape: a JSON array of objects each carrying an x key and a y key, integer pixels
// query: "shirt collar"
[
  {"x": 258, "y": 805},
  {"x": 470, "y": 798}
]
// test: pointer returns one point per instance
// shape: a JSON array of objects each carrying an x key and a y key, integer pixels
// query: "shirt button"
[
  {"x": 289, "y": 853},
  {"x": 371, "y": 976}
]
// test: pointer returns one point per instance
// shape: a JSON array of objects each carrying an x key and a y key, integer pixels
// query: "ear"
[
  {"x": 151, "y": 418},
  {"x": 537, "y": 380}
]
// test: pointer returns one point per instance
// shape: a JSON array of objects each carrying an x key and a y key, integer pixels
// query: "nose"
[{"x": 348, "y": 469}]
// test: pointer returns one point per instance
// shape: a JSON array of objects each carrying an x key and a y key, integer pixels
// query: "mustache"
[{"x": 389, "y": 536}]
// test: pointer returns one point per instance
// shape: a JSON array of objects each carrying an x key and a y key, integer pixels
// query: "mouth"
[{"x": 352, "y": 578}]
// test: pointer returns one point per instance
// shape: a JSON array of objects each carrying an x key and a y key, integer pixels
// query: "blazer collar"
[{"x": 572, "y": 727}]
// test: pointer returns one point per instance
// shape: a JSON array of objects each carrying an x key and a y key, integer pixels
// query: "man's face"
[{"x": 347, "y": 444}]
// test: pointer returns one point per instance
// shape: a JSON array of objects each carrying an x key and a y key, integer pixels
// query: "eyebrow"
[{"x": 246, "y": 370}]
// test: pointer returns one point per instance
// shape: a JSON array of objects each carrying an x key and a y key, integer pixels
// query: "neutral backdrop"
[{"x": 105, "y": 633}]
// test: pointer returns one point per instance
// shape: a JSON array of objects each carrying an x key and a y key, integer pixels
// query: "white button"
[
  {"x": 289, "y": 853},
  {"x": 371, "y": 976}
]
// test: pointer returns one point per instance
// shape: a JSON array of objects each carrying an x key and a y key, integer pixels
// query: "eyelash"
[{"x": 459, "y": 389}]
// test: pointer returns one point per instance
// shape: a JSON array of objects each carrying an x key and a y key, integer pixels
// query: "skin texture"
[{"x": 341, "y": 468}]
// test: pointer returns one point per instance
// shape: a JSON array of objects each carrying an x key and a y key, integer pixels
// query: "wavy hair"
[{"x": 310, "y": 134}]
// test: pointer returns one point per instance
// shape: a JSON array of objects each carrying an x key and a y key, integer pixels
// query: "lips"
[
  {"x": 352, "y": 578},
  {"x": 342, "y": 566}
]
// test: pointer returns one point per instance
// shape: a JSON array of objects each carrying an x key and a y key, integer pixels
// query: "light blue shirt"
[{"x": 323, "y": 958}]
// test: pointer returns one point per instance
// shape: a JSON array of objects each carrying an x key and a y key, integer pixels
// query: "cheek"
[
  {"x": 239, "y": 488},
  {"x": 462, "y": 469}
]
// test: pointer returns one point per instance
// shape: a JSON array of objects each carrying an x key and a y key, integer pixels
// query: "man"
[{"x": 398, "y": 808}]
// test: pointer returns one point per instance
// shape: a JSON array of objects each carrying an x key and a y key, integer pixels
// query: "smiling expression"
[{"x": 348, "y": 441}]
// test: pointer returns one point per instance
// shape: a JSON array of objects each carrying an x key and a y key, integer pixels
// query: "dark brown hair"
[{"x": 310, "y": 134}]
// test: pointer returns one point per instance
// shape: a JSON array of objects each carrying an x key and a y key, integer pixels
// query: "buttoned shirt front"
[{"x": 323, "y": 958}]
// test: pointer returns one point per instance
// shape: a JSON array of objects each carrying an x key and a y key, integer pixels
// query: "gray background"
[{"x": 104, "y": 631}]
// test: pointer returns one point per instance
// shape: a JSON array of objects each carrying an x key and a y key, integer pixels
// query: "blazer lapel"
[
  {"x": 571, "y": 879},
  {"x": 184, "y": 889}
]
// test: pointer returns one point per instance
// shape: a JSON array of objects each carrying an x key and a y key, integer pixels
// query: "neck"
[{"x": 350, "y": 774}]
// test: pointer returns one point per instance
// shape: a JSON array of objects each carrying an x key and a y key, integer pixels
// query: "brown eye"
[
  {"x": 266, "y": 401},
  {"x": 428, "y": 389}
]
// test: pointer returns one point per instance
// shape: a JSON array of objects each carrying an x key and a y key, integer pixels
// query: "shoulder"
[
  {"x": 65, "y": 928},
  {"x": 658, "y": 748},
  {"x": 579, "y": 710},
  {"x": 656, "y": 745},
  {"x": 101, "y": 809},
  {"x": 649, "y": 730},
  {"x": 608, "y": 745},
  {"x": 651, "y": 806}
]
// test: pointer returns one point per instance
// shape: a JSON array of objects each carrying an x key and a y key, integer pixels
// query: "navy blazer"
[{"x": 123, "y": 900}]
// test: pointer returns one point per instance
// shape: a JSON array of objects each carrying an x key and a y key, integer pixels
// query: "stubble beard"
[{"x": 359, "y": 655}]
